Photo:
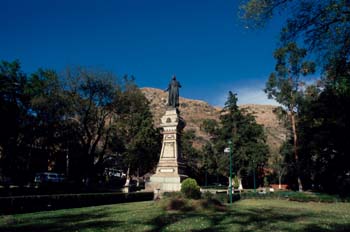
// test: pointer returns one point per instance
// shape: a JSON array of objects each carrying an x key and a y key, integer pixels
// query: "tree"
[
  {"x": 12, "y": 109},
  {"x": 322, "y": 25},
  {"x": 323, "y": 28},
  {"x": 248, "y": 140},
  {"x": 285, "y": 86},
  {"x": 324, "y": 121},
  {"x": 279, "y": 164},
  {"x": 189, "y": 154},
  {"x": 248, "y": 137},
  {"x": 210, "y": 126},
  {"x": 141, "y": 142},
  {"x": 93, "y": 97},
  {"x": 48, "y": 107},
  {"x": 86, "y": 114}
]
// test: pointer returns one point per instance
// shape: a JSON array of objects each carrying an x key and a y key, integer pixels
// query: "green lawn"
[{"x": 245, "y": 215}]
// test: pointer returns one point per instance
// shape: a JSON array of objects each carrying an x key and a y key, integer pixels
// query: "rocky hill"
[{"x": 195, "y": 111}]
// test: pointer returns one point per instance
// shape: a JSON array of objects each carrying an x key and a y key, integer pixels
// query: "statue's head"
[{"x": 174, "y": 77}]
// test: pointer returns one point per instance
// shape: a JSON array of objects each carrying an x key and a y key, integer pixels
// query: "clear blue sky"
[{"x": 203, "y": 42}]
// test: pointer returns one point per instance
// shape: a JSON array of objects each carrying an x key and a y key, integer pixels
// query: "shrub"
[
  {"x": 235, "y": 182},
  {"x": 266, "y": 182},
  {"x": 179, "y": 204},
  {"x": 207, "y": 195},
  {"x": 173, "y": 194},
  {"x": 190, "y": 188},
  {"x": 212, "y": 204}
]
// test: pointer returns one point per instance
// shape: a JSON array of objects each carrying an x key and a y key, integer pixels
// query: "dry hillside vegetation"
[{"x": 195, "y": 111}]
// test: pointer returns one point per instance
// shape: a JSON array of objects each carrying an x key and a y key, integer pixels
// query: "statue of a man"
[{"x": 173, "y": 89}]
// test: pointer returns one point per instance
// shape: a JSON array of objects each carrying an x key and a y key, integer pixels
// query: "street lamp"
[
  {"x": 254, "y": 176},
  {"x": 229, "y": 150},
  {"x": 206, "y": 170}
]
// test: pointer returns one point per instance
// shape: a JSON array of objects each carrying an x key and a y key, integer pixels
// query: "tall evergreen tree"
[
  {"x": 249, "y": 148},
  {"x": 285, "y": 86}
]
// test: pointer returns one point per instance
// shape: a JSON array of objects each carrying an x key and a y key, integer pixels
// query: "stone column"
[{"x": 170, "y": 169}]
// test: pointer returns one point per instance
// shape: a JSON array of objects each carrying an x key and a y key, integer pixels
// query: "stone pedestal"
[{"x": 170, "y": 169}]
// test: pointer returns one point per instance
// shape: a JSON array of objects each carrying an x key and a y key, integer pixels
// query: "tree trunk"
[
  {"x": 279, "y": 181},
  {"x": 229, "y": 181},
  {"x": 127, "y": 182},
  {"x": 240, "y": 186},
  {"x": 295, "y": 148}
]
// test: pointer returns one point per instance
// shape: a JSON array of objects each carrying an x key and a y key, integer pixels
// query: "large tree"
[
  {"x": 324, "y": 123},
  {"x": 86, "y": 115},
  {"x": 93, "y": 97},
  {"x": 249, "y": 148},
  {"x": 285, "y": 86},
  {"x": 134, "y": 128},
  {"x": 323, "y": 25},
  {"x": 14, "y": 105},
  {"x": 323, "y": 29}
]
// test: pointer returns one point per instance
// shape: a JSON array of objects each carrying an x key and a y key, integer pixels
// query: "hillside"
[{"x": 195, "y": 111}]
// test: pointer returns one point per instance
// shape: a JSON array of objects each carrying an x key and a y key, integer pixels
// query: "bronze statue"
[{"x": 173, "y": 89}]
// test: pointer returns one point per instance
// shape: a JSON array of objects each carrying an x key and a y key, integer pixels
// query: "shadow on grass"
[
  {"x": 330, "y": 227},
  {"x": 249, "y": 220},
  {"x": 235, "y": 219},
  {"x": 94, "y": 220}
]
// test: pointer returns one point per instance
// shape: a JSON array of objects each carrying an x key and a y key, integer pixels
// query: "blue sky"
[{"x": 203, "y": 42}]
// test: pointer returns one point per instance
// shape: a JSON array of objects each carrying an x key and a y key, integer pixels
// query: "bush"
[
  {"x": 179, "y": 204},
  {"x": 190, "y": 188},
  {"x": 207, "y": 195},
  {"x": 212, "y": 204},
  {"x": 235, "y": 182},
  {"x": 173, "y": 194}
]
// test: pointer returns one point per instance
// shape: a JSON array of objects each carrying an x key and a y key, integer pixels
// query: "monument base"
[
  {"x": 170, "y": 170},
  {"x": 160, "y": 183}
]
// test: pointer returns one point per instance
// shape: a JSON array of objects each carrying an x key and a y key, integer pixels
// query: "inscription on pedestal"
[
  {"x": 168, "y": 170},
  {"x": 169, "y": 150}
]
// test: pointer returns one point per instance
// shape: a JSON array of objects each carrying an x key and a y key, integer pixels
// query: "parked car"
[{"x": 48, "y": 177}]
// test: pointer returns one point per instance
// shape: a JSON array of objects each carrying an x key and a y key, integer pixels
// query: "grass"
[
  {"x": 244, "y": 215},
  {"x": 294, "y": 196}
]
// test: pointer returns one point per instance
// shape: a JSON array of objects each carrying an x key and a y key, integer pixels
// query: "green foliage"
[
  {"x": 190, "y": 155},
  {"x": 249, "y": 148},
  {"x": 87, "y": 114},
  {"x": 266, "y": 182},
  {"x": 322, "y": 27},
  {"x": 173, "y": 194},
  {"x": 285, "y": 86},
  {"x": 235, "y": 182},
  {"x": 15, "y": 120},
  {"x": 210, "y": 159},
  {"x": 140, "y": 140},
  {"x": 190, "y": 188},
  {"x": 207, "y": 195},
  {"x": 210, "y": 126},
  {"x": 323, "y": 123},
  {"x": 247, "y": 136}
]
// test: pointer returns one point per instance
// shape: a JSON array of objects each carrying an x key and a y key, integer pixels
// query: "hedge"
[{"x": 24, "y": 204}]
